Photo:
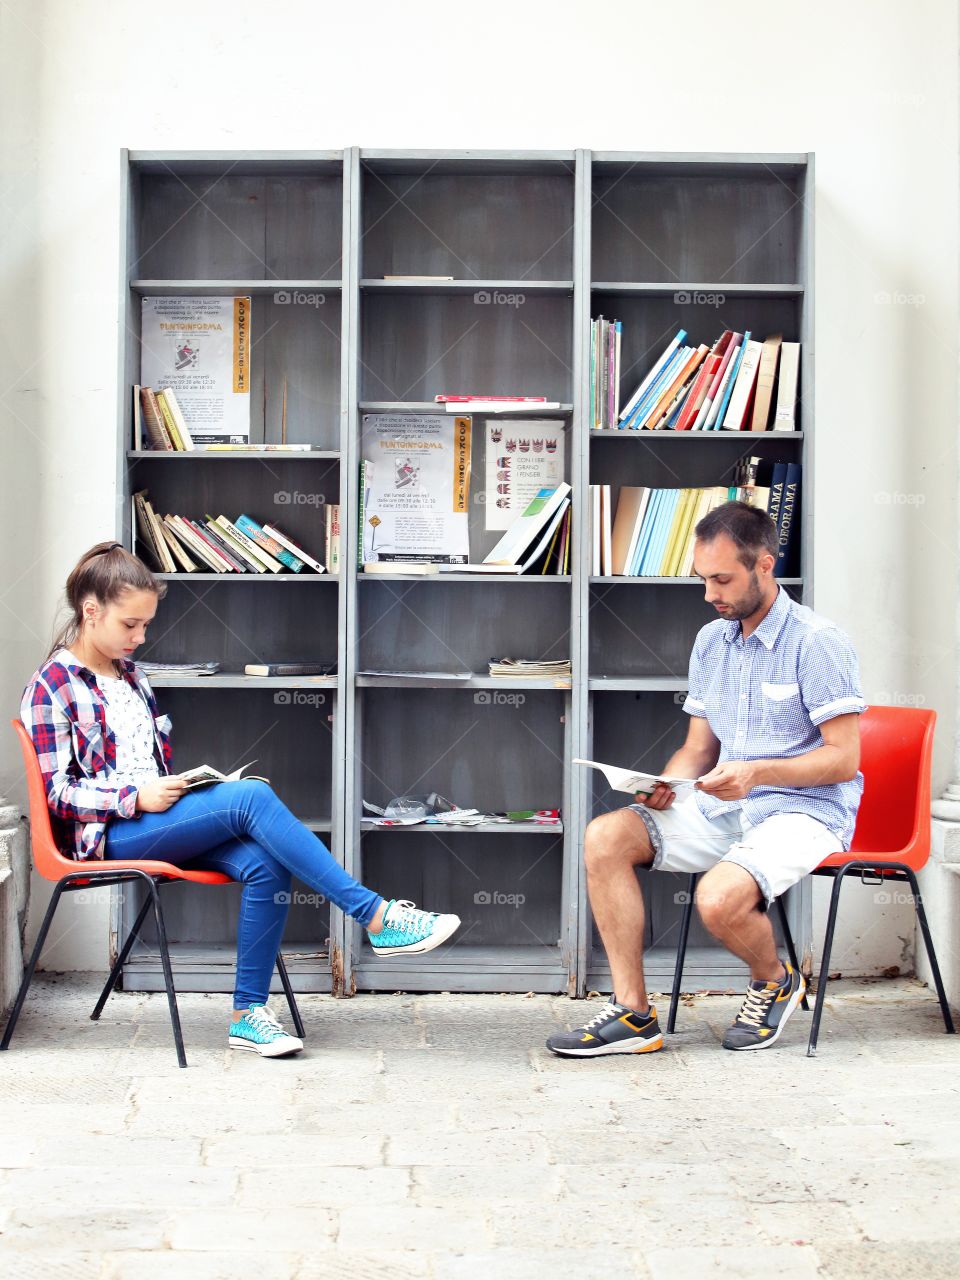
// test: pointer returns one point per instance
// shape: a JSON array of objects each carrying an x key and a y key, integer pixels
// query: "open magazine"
[
  {"x": 633, "y": 781},
  {"x": 203, "y": 774}
]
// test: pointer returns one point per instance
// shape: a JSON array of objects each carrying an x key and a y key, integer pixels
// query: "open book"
[
  {"x": 633, "y": 782},
  {"x": 203, "y": 774}
]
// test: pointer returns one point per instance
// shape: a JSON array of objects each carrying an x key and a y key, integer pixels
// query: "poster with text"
[
  {"x": 522, "y": 457},
  {"x": 416, "y": 487},
  {"x": 201, "y": 348}
]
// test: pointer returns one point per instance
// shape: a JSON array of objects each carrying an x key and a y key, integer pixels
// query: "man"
[{"x": 774, "y": 740}]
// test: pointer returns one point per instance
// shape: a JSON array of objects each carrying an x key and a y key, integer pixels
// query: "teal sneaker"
[
  {"x": 260, "y": 1032},
  {"x": 409, "y": 932}
]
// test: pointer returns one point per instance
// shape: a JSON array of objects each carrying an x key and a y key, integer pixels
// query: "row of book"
[
  {"x": 605, "y": 336},
  {"x": 738, "y": 384},
  {"x": 650, "y": 533},
  {"x": 176, "y": 543}
]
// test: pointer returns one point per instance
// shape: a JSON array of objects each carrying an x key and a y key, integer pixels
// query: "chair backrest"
[
  {"x": 896, "y": 747},
  {"x": 47, "y": 858}
]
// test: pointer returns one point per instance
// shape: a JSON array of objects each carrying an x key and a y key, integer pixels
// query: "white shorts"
[{"x": 778, "y": 852}]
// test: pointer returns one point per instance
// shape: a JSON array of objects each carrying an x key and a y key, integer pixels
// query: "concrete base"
[
  {"x": 940, "y": 886},
  {"x": 14, "y": 897}
]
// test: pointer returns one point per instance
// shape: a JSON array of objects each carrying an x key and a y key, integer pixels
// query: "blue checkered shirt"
[{"x": 764, "y": 698}]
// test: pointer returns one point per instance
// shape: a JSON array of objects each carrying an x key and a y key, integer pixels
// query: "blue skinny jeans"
[{"x": 246, "y": 831}]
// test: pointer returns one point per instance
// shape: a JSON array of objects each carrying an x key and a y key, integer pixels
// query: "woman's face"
[{"x": 118, "y": 629}]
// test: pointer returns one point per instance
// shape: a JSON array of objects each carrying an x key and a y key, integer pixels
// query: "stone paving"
[{"x": 434, "y": 1136}]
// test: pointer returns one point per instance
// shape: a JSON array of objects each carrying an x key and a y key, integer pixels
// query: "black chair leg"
[
  {"x": 791, "y": 949},
  {"x": 121, "y": 958},
  {"x": 167, "y": 972},
  {"x": 291, "y": 998},
  {"x": 681, "y": 951},
  {"x": 931, "y": 954},
  {"x": 825, "y": 963},
  {"x": 31, "y": 966}
]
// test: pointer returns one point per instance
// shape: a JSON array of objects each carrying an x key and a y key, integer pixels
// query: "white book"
[
  {"x": 785, "y": 418},
  {"x": 606, "y": 551},
  {"x": 498, "y": 406},
  {"x": 717, "y": 401},
  {"x": 637, "y": 528},
  {"x": 595, "y": 513},
  {"x": 292, "y": 547},
  {"x": 746, "y": 378},
  {"x": 203, "y": 774},
  {"x": 633, "y": 781},
  {"x": 528, "y": 526}
]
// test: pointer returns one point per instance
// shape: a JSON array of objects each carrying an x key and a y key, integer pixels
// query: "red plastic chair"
[
  {"x": 891, "y": 840},
  {"x": 68, "y": 874}
]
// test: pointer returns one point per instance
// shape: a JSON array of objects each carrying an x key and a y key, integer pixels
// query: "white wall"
[{"x": 872, "y": 88}]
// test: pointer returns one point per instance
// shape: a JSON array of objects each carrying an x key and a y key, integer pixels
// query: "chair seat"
[{"x": 97, "y": 865}]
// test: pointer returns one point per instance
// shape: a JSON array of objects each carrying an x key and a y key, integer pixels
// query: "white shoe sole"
[
  {"x": 439, "y": 936},
  {"x": 622, "y": 1046},
  {"x": 280, "y": 1049},
  {"x": 771, "y": 1040}
]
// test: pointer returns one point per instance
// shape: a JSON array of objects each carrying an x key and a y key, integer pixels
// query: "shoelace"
[
  {"x": 755, "y": 1005},
  {"x": 264, "y": 1019},
  {"x": 609, "y": 1010},
  {"x": 406, "y": 918}
]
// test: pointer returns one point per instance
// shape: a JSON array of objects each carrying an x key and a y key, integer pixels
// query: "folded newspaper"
[{"x": 634, "y": 782}]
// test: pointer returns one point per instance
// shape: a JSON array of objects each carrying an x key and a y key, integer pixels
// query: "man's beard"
[{"x": 749, "y": 602}]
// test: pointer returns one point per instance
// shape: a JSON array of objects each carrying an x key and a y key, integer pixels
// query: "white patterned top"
[{"x": 132, "y": 726}]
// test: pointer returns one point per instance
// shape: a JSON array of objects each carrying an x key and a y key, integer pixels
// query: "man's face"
[{"x": 734, "y": 591}]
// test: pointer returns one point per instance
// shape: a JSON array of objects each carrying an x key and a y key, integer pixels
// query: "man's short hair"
[{"x": 752, "y": 530}]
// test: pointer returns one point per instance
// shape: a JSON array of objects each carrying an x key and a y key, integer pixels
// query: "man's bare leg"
[
  {"x": 728, "y": 899},
  {"x": 614, "y": 844}
]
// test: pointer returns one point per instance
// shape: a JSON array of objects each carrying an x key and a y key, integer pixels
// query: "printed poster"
[
  {"x": 416, "y": 487},
  {"x": 201, "y": 348},
  {"x": 522, "y": 457}
]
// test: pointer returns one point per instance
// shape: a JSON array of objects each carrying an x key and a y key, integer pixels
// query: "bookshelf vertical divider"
[{"x": 653, "y": 239}]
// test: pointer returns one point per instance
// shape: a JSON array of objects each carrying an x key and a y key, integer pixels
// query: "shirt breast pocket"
[
  {"x": 88, "y": 745},
  {"x": 782, "y": 710}
]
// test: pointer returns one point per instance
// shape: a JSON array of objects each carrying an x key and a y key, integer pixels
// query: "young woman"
[{"x": 106, "y": 759}]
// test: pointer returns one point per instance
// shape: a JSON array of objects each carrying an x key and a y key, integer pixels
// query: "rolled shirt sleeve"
[{"x": 829, "y": 676}]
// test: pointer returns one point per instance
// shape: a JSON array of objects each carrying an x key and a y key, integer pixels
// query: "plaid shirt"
[
  {"x": 764, "y": 698},
  {"x": 63, "y": 711}
]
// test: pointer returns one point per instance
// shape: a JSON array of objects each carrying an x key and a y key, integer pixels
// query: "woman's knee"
[{"x": 259, "y": 867}]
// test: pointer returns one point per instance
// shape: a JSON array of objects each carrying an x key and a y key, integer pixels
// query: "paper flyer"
[
  {"x": 416, "y": 489},
  {"x": 522, "y": 457},
  {"x": 200, "y": 346}
]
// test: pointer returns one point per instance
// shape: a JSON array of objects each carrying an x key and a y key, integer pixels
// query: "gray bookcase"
[{"x": 655, "y": 240}]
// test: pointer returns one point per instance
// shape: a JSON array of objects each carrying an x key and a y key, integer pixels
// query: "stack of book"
[
  {"x": 158, "y": 416},
  {"x": 176, "y": 543},
  {"x": 151, "y": 669},
  {"x": 604, "y": 372},
  {"x": 494, "y": 404},
  {"x": 651, "y": 533},
  {"x": 738, "y": 384},
  {"x": 531, "y": 668},
  {"x": 158, "y": 413}
]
